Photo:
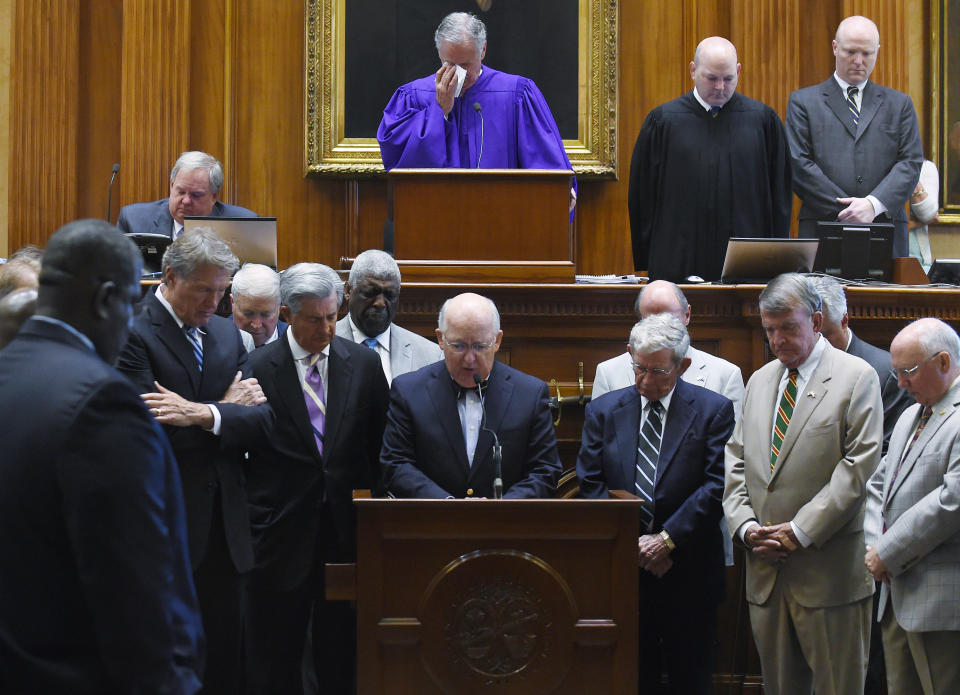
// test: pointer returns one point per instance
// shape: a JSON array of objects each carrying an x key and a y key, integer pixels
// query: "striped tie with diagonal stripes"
[
  {"x": 193, "y": 335},
  {"x": 316, "y": 398},
  {"x": 852, "y": 103},
  {"x": 648, "y": 453},
  {"x": 784, "y": 413}
]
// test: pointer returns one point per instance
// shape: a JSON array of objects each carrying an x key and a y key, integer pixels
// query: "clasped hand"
[
  {"x": 771, "y": 542},
  {"x": 654, "y": 555}
]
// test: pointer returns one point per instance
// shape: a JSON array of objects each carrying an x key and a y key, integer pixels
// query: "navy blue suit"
[
  {"x": 211, "y": 467},
  {"x": 302, "y": 512},
  {"x": 95, "y": 580},
  {"x": 680, "y": 607},
  {"x": 424, "y": 453},
  {"x": 155, "y": 218}
]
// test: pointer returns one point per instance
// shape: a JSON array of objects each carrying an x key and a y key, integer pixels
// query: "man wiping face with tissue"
[{"x": 468, "y": 115}]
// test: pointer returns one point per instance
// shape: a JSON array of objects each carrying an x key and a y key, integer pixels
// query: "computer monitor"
[
  {"x": 252, "y": 239},
  {"x": 855, "y": 251},
  {"x": 757, "y": 261},
  {"x": 152, "y": 247}
]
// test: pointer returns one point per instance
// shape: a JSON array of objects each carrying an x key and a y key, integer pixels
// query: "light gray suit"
[
  {"x": 705, "y": 370},
  {"x": 821, "y": 592},
  {"x": 921, "y": 545},
  {"x": 833, "y": 159},
  {"x": 408, "y": 351}
]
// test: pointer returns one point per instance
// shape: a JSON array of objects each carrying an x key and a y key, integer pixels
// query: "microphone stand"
[{"x": 497, "y": 451}]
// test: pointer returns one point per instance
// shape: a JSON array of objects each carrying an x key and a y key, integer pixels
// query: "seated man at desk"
[
  {"x": 444, "y": 419},
  {"x": 195, "y": 182}
]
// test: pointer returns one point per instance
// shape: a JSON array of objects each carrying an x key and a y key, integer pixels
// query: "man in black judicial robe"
[{"x": 708, "y": 166}]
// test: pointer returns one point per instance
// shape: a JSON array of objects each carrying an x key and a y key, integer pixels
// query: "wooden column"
[
  {"x": 44, "y": 74},
  {"x": 155, "y": 124}
]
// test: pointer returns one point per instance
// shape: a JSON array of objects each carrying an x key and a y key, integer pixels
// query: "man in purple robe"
[{"x": 468, "y": 115}]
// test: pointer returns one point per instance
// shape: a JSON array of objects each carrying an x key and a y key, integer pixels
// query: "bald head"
[
  {"x": 662, "y": 297},
  {"x": 90, "y": 279},
  {"x": 926, "y": 357},
  {"x": 855, "y": 48},
  {"x": 469, "y": 334},
  {"x": 715, "y": 70},
  {"x": 15, "y": 308}
]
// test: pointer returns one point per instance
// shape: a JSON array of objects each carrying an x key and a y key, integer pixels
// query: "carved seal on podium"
[{"x": 498, "y": 620}]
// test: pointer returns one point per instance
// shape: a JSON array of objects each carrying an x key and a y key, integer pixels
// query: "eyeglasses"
[
  {"x": 908, "y": 372},
  {"x": 461, "y": 348},
  {"x": 655, "y": 371}
]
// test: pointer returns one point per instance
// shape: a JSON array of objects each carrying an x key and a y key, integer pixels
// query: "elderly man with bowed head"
[
  {"x": 913, "y": 517},
  {"x": 707, "y": 166},
  {"x": 255, "y": 298},
  {"x": 443, "y": 418},
  {"x": 95, "y": 580},
  {"x": 195, "y": 182},
  {"x": 468, "y": 115},
  {"x": 373, "y": 295},
  {"x": 662, "y": 439},
  {"x": 189, "y": 365},
  {"x": 806, "y": 442}
]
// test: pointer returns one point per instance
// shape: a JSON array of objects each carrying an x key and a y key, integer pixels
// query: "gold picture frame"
[
  {"x": 328, "y": 152},
  {"x": 945, "y": 89}
]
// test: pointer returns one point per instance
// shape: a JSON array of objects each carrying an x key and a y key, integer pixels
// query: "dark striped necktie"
[
  {"x": 852, "y": 104},
  {"x": 784, "y": 412},
  {"x": 193, "y": 335},
  {"x": 648, "y": 453}
]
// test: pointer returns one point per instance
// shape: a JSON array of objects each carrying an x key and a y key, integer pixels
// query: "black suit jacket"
[
  {"x": 158, "y": 350},
  {"x": 895, "y": 400},
  {"x": 424, "y": 453},
  {"x": 95, "y": 581},
  {"x": 295, "y": 494},
  {"x": 155, "y": 218},
  {"x": 689, "y": 484}
]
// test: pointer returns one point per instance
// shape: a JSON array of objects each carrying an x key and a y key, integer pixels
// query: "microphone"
[
  {"x": 497, "y": 452},
  {"x": 476, "y": 107},
  {"x": 116, "y": 168}
]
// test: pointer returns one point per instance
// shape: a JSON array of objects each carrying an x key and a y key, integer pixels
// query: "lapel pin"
[
  {"x": 942, "y": 411},
  {"x": 811, "y": 394}
]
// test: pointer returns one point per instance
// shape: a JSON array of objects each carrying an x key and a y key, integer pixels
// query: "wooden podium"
[
  {"x": 480, "y": 225},
  {"x": 507, "y": 597}
]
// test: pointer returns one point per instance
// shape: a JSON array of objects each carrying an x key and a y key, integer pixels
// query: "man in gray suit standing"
[
  {"x": 372, "y": 292},
  {"x": 912, "y": 524},
  {"x": 855, "y": 145}
]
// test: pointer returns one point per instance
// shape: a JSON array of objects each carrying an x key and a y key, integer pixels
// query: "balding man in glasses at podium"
[{"x": 450, "y": 422}]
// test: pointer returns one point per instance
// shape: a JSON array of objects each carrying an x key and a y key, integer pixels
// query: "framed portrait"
[
  {"x": 358, "y": 52},
  {"x": 945, "y": 18}
]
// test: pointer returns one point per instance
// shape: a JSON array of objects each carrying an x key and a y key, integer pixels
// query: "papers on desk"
[{"x": 607, "y": 280}]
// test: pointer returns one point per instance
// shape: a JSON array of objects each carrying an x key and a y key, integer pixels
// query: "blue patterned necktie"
[
  {"x": 648, "y": 453},
  {"x": 193, "y": 335},
  {"x": 370, "y": 343},
  {"x": 852, "y": 104}
]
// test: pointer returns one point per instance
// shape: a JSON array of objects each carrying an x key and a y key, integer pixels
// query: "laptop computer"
[
  {"x": 252, "y": 239},
  {"x": 757, "y": 261}
]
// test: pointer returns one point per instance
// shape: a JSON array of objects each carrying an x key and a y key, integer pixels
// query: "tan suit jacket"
[{"x": 831, "y": 448}]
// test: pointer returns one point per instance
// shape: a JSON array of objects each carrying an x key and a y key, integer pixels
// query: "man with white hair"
[
  {"x": 855, "y": 144},
  {"x": 372, "y": 292},
  {"x": 662, "y": 439},
  {"x": 437, "y": 121},
  {"x": 443, "y": 419},
  {"x": 195, "y": 182},
  {"x": 255, "y": 298},
  {"x": 912, "y": 524}
]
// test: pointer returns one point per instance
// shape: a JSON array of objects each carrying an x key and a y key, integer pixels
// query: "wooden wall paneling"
[
  {"x": 889, "y": 15},
  {"x": 211, "y": 88},
  {"x": 99, "y": 106},
  {"x": 268, "y": 116},
  {"x": 766, "y": 35},
  {"x": 44, "y": 88},
  {"x": 155, "y": 94},
  {"x": 370, "y": 215}
]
